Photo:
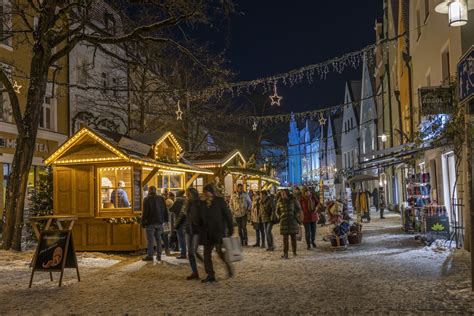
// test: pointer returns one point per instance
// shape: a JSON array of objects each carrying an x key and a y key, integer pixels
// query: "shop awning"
[
  {"x": 362, "y": 178},
  {"x": 252, "y": 174}
]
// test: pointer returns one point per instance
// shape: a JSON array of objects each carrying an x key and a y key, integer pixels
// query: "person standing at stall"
[
  {"x": 217, "y": 224},
  {"x": 240, "y": 205},
  {"x": 267, "y": 209},
  {"x": 287, "y": 210},
  {"x": 256, "y": 219},
  {"x": 190, "y": 219},
  {"x": 308, "y": 204},
  {"x": 153, "y": 217},
  {"x": 180, "y": 230},
  {"x": 166, "y": 230}
]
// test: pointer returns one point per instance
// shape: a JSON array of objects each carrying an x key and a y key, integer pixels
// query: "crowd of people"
[{"x": 187, "y": 219}]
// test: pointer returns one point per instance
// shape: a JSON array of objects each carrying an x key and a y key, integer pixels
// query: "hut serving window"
[
  {"x": 172, "y": 181},
  {"x": 115, "y": 187}
]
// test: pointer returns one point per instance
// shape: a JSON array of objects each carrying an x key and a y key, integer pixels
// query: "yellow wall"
[
  {"x": 403, "y": 76},
  {"x": 18, "y": 56}
]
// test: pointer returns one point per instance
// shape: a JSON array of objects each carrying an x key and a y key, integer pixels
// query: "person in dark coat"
[
  {"x": 376, "y": 201},
  {"x": 176, "y": 209},
  {"x": 217, "y": 223},
  {"x": 190, "y": 220},
  {"x": 287, "y": 210},
  {"x": 153, "y": 217},
  {"x": 267, "y": 209}
]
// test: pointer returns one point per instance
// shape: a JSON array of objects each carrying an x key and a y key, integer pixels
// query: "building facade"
[{"x": 15, "y": 59}]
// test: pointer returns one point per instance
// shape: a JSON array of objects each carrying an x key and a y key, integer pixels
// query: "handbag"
[
  {"x": 166, "y": 228},
  {"x": 299, "y": 235},
  {"x": 233, "y": 249}
]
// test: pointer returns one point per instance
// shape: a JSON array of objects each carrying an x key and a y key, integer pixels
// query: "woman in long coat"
[
  {"x": 267, "y": 209},
  {"x": 190, "y": 217},
  {"x": 256, "y": 219},
  {"x": 216, "y": 224},
  {"x": 287, "y": 210}
]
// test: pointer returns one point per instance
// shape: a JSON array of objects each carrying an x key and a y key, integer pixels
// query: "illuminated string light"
[
  {"x": 276, "y": 99},
  {"x": 322, "y": 119},
  {"x": 254, "y": 126},
  {"x": 179, "y": 113},
  {"x": 16, "y": 87}
]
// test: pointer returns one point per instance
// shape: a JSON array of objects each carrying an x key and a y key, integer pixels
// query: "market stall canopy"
[
  {"x": 100, "y": 146},
  {"x": 215, "y": 159},
  {"x": 362, "y": 178},
  {"x": 252, "y": 174}
]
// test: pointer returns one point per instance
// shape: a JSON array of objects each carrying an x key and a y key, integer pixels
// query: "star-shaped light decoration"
[
  {"x": 276, "y": 99},
  {"x": 254, "y": 126},
  {"x": 179, "y": 113},
  {"x": 322, "y": 120},
  {"x": 16, "y": 87}
]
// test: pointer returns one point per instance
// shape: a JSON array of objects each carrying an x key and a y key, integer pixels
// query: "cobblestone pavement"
[{"x": 389, "y": 274}]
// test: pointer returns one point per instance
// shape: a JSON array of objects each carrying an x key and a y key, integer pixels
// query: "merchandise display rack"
[{"x": 418, "y": 190}]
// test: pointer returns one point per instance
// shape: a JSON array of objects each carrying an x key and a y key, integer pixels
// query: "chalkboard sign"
[
  {"x": 437, "y": 227},
  {"x": 137, "y": 190},
  {"x": 54, "y": 253}
]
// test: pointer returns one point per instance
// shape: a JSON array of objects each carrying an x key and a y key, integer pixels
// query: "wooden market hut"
[
  {"x": 230, "y": 167},
  {"x": 102, "y": 177}
]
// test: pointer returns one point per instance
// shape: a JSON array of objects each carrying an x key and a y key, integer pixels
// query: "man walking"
[
  {"x": 217, "y": 224},
  {"x": 240, "y": 205},
  {"x": 176, "y": 209},
  {"x": 154, "y": 215}
]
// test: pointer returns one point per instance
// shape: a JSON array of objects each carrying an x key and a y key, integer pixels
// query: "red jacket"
[{"x": 308, "y": 205}]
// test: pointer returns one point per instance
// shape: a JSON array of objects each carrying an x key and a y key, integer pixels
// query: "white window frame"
[{"x": 6, "y": 6}]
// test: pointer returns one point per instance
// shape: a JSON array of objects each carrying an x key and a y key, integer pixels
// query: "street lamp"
[
  {"x": 383, "y": 137},
  {"x": 456, "y": 10}
]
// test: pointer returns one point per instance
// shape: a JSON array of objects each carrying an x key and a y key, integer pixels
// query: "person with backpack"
[
  {"x": 153, "y": 217},
  {"x": 240, "y": 205}
]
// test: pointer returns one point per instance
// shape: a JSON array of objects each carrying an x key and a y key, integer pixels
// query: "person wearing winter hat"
[{"x": 217, "y": 224}]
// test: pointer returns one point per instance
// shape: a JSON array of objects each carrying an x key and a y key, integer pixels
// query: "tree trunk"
[{"x": 25, "y": 148}]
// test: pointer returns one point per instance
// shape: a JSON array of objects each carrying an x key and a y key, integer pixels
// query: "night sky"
[{"x": 270, "y": 37}]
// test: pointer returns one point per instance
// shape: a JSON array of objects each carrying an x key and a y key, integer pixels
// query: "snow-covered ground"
[{"x": 390, "y": 273}]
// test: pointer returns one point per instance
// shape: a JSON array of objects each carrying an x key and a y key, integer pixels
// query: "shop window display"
[{"x": 116, "y": 187}]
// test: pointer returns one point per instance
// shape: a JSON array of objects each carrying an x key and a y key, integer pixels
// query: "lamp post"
[{"x": 457, "y": 11}]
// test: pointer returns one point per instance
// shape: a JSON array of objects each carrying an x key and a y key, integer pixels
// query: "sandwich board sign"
[{"x": 54, "y": 253}]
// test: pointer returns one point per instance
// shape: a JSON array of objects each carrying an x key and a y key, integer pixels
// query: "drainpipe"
[
  {"x": 400, "y": 123},
  {"x": 407, "y": 60}
]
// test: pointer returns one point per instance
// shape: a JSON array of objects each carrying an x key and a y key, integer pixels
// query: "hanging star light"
[
  {"x": 254, "y": 126},
  {"x": 16, "y": 87},
  {"x": 179, "y": 113},
  {"x": 276, "y": 99},
  {"x": 322, "y": 120}
]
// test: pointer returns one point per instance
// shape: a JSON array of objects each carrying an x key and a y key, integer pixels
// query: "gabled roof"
[
  {"x": 355, "y": 90},
  {"x": 122, "y": 147},
  {"x": 157, "y": 138},
  {"x": 213, "y": 157}
]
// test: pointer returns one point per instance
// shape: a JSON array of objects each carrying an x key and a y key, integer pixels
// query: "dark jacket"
[
  {"x": 375, "y": 197},
  {"x": 267, "y": 209},
  {"x": 287, "y": 210},
  {"x": 216, "y": 219},
  {"x": 189, "y": 217},
  {"x": 154, "y": 210},
  {"x": 176, "y": 209}
]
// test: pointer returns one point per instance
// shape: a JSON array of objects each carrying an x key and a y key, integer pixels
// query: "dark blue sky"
[{"x": 273, "y": 36}]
